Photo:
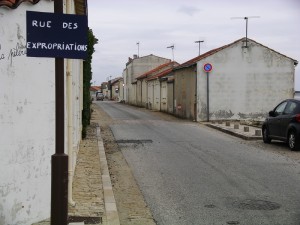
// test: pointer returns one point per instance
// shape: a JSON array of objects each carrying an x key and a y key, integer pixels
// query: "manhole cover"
[{"x": 252, "y": 204}]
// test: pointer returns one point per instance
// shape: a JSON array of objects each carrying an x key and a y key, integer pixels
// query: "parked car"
[
  {"x": 99, "y": 96},
  {"x": 283, "y": 123}
]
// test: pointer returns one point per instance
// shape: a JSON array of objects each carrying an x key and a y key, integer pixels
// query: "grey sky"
[{"x": 157, "y": 24}]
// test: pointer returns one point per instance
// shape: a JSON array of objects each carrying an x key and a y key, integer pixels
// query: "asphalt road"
[{"x": 191, "y": 174}]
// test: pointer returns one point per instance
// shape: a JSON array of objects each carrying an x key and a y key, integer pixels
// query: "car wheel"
[
  {"x": 292, "y": 141},
  {"x": 266, "y": 137}
]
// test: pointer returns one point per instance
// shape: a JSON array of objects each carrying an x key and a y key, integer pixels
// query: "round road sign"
[{"x": 207, "y": 67}]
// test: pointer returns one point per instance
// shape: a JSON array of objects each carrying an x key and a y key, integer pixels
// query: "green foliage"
[{"x": 87, "y": 77}]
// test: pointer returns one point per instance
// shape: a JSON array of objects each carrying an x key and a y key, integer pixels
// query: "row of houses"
[{"x": 246, "y": 81}]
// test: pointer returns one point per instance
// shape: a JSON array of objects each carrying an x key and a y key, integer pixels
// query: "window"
[
  {"x": 290, "y": 108},
  {"x": 279, "y": 109}
]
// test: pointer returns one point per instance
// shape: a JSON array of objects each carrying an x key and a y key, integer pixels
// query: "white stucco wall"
[
  {"x": 27, "y": 120},
  {"x": 244, "y": 83}
]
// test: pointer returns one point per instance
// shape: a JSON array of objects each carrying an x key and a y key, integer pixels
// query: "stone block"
[
  {"x": 257, "y": 132},
  {"x": 246, "y": 129}
]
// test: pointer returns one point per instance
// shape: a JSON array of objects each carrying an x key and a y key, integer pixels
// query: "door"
[
  {"x": 275, "y": 120},
  {"x": 287, "y": 117}
]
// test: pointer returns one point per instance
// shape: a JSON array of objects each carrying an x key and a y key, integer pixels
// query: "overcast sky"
[{"x": 157, "y": 24}]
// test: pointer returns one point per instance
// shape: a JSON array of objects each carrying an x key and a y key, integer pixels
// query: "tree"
[{"x": 87, "y": 77}]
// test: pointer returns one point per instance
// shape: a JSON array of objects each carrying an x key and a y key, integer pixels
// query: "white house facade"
[
  {"x": 27, "y": 118},
  {"x": 245, "y": 82}
]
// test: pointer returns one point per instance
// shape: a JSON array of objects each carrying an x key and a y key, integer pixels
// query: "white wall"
[
  {"x": 244, "y": 83},
  {"x": 27, "y": 120}
]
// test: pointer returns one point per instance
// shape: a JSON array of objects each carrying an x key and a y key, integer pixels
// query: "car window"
[
  {"x": 290, "y": 109},
  {"x": 280, "y": 108}
]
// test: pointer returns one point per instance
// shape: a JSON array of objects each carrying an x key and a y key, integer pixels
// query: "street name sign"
[{"x": 56, "y": 35}]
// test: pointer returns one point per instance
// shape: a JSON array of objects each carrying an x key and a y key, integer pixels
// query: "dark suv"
[{"x": 283, "y": 124}]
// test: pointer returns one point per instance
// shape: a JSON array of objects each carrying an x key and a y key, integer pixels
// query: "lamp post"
[{"x": 123, "y": 91}]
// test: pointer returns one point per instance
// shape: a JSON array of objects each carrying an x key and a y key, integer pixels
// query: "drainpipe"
[{"x": 70, "y": 121}]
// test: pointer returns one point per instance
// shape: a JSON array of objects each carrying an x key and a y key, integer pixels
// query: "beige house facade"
[{"x": 134, "y": 68}]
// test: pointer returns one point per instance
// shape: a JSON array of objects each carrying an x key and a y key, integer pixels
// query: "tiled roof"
[
  {"x": 95, "y": 88},
  {"x": 13, "y": 4},
  {"x": 155, "y": 70},
  {"x": 211, "y": 52},
  {"x": 161, "y": 74},
  {"x": 116, "y": 80}
]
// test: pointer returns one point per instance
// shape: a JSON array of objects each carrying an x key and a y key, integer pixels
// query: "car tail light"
[{"x": 297, "y": 118}]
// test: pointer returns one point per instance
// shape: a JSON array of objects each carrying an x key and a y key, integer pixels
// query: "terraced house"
[{"x": 246, "y": 81}]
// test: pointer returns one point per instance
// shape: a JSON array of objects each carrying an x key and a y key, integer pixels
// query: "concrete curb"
[
  {"x": 111, "y": 212},
  {"x": 234, "y": 133}
]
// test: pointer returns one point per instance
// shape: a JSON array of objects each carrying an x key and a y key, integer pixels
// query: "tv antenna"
[
  {"x": 172, "y": 47},
  {"x": 138, "y": 44},
  {"x": 246, "y": 18},
  {"x": 199, "y": 42}
]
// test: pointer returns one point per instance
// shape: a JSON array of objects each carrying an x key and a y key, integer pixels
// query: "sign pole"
[
  {"x": 207, "y": 68},
  {"x": 59, "y": 161},
  {"x": 207, "y": 96}
]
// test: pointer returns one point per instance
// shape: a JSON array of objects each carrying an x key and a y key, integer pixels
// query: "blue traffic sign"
[{"x": 207, "y": 67}]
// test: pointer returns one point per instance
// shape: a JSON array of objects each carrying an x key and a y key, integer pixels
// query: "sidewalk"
[
  {"x": 237, "y": 129},
  {"x": 92, "y": 189}
]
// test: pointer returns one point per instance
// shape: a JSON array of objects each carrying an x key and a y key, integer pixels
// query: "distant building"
[{"x": 134, "y": 68}]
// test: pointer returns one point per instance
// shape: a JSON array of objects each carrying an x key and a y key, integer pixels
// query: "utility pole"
[
  {"x": 172, "y": 47},
  {"x": 246, "y": 18},
  {"x": 199, "y": 42}
]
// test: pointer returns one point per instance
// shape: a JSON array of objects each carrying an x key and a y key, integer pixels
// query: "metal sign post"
[
  {"x": 207, "y": 68},
  {"x": 59, "y": 161}
]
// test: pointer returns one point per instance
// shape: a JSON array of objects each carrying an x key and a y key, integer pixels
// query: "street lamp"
[{"x": 123, "y": 91}]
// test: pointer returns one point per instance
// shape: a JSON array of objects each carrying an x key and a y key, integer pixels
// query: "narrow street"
[{"x": 191, "y": 174}]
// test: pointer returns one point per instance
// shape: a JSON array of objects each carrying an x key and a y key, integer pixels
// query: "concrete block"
[
  {"x": 257, "y": 132},
  {"x": 236, "y": 126},
  {"x": 227, "y": 124},
  {"x": 246, "y": 129}
]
